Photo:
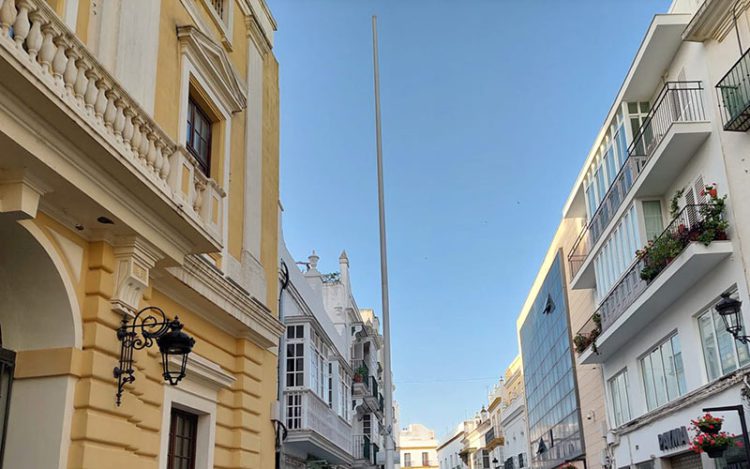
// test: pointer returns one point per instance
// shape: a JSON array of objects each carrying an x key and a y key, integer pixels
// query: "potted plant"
[
  {"x": 360, "y": 374},
  {"x": 713, "y": 445},
  {"x": 708, "y": 424}
]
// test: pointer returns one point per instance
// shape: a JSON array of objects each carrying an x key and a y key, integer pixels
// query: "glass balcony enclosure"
[{"x": 677, "y": 102}]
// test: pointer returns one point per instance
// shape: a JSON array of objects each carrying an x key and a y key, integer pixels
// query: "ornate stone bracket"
[
  {"x": 20, "y": 194},
  {"x": 134, "y": 258}
]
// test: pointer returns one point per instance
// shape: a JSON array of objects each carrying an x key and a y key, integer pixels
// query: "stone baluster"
[
  {"x": 71, "y": 69},
  {"x": 128, "y": 130},
  {"x": 119, "y": 124},
  {"x": 151, "y": 155},
  {"x": 168, "y": 154},
  {"x": 60, "y": 61},
  {"x": 111, "y": 110},
  {"x": 47, "y": 52},
  {"x": 22, "y": 25},
  {"x": 35, "y": 37},
  {"x": 101, "y": 99},
  {"x": 143, "y": 149},
  {"x": 200, "y": 186},
  {"x": 135, "y": 142},
  {"x": 82, "y": 81},
  {"x": 8, "y": 15},
  {"x": 159, "y": 144},
  {"x": 92, "y": 91}
]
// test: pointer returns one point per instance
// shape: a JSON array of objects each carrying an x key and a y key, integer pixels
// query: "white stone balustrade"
[{"x": 37, "y": 38}]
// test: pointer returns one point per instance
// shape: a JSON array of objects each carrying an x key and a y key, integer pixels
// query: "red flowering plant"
[
  {"x": 711, "y": 191},
  {"x": 713, "y": 445},
  {"x": 708, "y": 424}
]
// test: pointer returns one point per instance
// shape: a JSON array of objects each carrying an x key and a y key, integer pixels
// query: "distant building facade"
[
  {"x": 418, "y": 447},
  {"x": 330, "y": 371}
]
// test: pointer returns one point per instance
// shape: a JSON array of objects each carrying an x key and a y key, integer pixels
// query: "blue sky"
[{"x": 489, "y": 109}]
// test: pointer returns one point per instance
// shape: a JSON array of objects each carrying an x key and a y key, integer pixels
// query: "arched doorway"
[{"x": 38, "y": 312}]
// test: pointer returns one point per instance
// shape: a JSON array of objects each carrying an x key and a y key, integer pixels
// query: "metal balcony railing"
[
  {"x": 733, "y": 92},
  {"x": 679, "y": 101},
  {"x": 685, "y": 228},
  {"x": 362, "y": 448}
]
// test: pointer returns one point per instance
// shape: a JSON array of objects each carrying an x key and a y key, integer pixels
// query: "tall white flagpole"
[{"x": 387, "y": 378}]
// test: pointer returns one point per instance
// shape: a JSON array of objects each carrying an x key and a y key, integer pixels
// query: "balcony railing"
[
  {"x": 733, "y": 92},
  {"x": 309, "y": 412},
  {"x": 362, "y": 448},
  {"x": 39, "y": 44},
  {"x": 680, "y": 101},
  {"x": 688, "y": 226},
  {"x": 374, "y": 387}
]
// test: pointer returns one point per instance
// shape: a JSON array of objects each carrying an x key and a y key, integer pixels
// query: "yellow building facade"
[{"x": 139, "y": 152}]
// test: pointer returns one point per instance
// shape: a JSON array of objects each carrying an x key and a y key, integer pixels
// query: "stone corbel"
[
  {"x": 20, "y": 194},
  {"x": 134, "y": 258}
]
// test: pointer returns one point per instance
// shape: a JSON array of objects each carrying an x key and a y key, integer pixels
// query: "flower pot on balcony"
[{"x": 357, "y": 378}]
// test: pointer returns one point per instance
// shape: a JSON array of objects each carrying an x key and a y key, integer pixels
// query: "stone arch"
[{"x": 39, "y": 311}]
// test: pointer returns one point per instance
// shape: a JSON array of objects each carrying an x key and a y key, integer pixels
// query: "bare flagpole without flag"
[{"x": 387, "y": 378}]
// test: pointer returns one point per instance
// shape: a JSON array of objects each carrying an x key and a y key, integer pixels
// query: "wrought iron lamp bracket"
[{"x": 148, "y": 324}]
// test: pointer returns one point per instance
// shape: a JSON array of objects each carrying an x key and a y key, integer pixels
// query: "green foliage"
[{"x": 657, "y": 254}]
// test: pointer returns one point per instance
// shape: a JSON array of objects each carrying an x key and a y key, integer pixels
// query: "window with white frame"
[
  {"x": 330, "y": 385},
  {"x": 407, "y": 459},
  {"x": 294, "y": 411},
  {"x": 618, "y": 391},
  {"x": 609, "y": 159},
  {"x": 638, "y": 113},
  {"x": 663, "y": 373},
  {"x": 295, "y": 356},
  {"x": 343, "y": 407},
  {"x": 653, "y": 219},
  {"x": 367, "y": 425},
  {"x": 721, "y": 352},
  {"x": 617, "y": 253}
]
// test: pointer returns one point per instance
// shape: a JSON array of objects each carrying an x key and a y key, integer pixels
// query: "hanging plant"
[
  {"x": 713, "y": 445},
  {"x": 708, "y": 424}
]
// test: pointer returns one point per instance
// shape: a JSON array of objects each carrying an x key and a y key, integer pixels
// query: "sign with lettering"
[{"x": 673, "y": 439}]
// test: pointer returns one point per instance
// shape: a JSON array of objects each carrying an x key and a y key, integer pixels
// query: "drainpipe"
[{"x": 279, "y": 424}]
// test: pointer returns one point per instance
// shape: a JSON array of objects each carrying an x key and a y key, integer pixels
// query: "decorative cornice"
[
  {"x": 203, "y": 288},
  {"x": 255, "y": 32},
  {"x": 205, "y": 371},
  {"x": 214, "y": 66}
]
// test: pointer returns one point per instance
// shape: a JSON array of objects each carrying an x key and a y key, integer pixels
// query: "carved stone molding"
[
  {"x": 20, "y": 194},
  {"x": 134, "y": 259},
  {"x": 214, "y": 65}
]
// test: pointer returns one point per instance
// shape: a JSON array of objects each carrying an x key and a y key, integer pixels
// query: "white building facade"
[
  {"x": 418, "y": 447},
  {"x": 669, "y": 171},
  {"x": 449, "y": 451},
  {"x": 328, "y": 401},
  {"x": 513, "y": 419}
]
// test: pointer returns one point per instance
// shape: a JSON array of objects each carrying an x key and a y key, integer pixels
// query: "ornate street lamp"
[
  {"x": 483, "y": 414},
  {"x": 151, "y": 324},
  {"x": 496, "y": 463},
  {"x": 729, "y": 310}
]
